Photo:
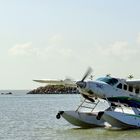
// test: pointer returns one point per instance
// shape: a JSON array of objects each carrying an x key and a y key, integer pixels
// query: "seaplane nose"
[{"x": 81, "y": 84}]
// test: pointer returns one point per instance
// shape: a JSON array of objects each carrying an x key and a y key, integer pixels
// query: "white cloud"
[
  {"x": 53, "y": 47},
  {"x": 42, "y": 52},
  {"x": 23, "y": 49},
  {"x": 120, "y": 49},
  {"x": 57, "y": 49}
]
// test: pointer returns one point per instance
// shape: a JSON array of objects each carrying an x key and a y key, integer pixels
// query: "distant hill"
[{"x": 54, "y": 89}]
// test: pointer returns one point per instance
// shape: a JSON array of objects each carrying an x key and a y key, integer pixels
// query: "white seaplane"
[
  {"x": 123, "y": 95},
  {"x": 86, "y": 113}
]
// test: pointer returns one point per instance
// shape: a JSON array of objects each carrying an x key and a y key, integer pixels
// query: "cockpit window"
[
  {"x": 119, "y": 85},
  {"x": 108, "y": 80}
]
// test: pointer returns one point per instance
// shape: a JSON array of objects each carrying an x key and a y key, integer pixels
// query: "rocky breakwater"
[{"x": 54, "y": 89}]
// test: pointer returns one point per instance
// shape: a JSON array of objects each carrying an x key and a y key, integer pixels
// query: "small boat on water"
[
  {"x": 7, "y": 93},
  {"x": 85, "y": 115}
]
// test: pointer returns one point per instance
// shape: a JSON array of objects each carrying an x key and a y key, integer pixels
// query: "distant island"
[{"x": 55, "y": 89}]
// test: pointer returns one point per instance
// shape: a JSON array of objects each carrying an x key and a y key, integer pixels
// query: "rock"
[{"x": 54, "y": 89}]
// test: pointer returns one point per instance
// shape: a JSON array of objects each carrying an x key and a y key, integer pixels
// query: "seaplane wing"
[
  {"x": 134, "y": 83},
  {"x": 56, "y": 82},
  {"x": 49, "y": 81}
]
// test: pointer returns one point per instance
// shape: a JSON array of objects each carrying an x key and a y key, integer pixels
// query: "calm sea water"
[{"x": 33, "y": 117}]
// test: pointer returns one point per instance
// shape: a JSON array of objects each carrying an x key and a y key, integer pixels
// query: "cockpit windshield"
[{"x": 109, "y": 80}]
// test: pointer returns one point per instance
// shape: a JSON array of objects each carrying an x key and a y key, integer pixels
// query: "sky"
[{"x": 58, "y": 39}]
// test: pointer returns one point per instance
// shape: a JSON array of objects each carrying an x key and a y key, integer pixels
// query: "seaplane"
[{"x": 122, "y": 95}]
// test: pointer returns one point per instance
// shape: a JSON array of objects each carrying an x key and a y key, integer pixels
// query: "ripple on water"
[{"x": 33, "y": 117}]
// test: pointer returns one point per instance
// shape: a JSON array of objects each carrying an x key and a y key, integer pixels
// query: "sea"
[{"x": 33, "y": 117}]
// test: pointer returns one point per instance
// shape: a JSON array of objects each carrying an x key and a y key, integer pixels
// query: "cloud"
[
  {"x": 119, "y": 49},
  {"x": 52, "y": 51},
  {"x": 59, "y": 57},
  {"x": 22, "y": 49},
  {"x": 57, "y": 48},
  {"x": 54, "y": 45}
]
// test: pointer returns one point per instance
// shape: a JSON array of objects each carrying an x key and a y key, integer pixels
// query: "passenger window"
[
  {"x": 137, "y": 90},
  {"x": 130, "y": 89},
  {"x": 125, "y": 87},
  {"x": 119, "y": 86}
]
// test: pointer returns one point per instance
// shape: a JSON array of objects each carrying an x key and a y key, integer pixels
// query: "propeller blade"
[{"x": 88, "y": 72}]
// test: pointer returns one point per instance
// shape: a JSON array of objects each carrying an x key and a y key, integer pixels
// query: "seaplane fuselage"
[{"x": 112, "y": 89}]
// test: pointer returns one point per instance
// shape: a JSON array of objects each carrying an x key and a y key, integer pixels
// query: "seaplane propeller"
[{"x": 81, "y": 83}]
